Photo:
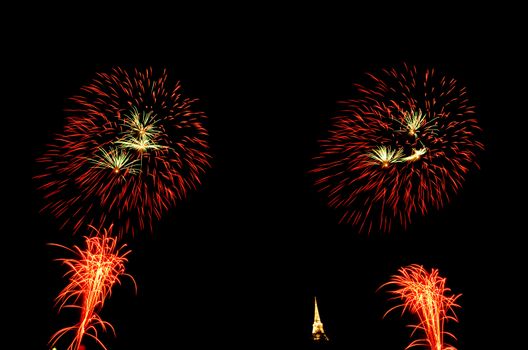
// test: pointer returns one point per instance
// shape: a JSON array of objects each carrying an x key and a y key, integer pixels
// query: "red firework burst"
[
  {"x": 403, "y": 146},
  {"x": 92, "y": 273},
  {"x": 425, "y": 295},
  {"x": 131, "y": 148}
]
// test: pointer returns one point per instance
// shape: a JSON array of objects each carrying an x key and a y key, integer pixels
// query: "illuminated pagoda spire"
[{"x": 318, "y": 334}]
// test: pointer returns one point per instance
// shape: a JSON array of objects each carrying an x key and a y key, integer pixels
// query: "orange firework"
[
  {"x": 92, "y": 274},
  {"x": 425, "y": 294}
]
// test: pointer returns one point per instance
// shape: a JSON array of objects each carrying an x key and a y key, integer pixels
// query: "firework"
[
  {"x": 131, "y": 148},
  {"x": 425, "y": 295},
  {"x": 92, "y": 273},
  {"x": 402, "y": 146}
]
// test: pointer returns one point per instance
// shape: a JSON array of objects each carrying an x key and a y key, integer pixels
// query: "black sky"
[{"x": 240, "y": 260}]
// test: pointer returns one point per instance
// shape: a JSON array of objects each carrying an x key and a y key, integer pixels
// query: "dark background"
[{"x": 237, "y": 264}]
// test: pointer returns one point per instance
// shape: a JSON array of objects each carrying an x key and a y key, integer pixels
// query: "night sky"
[{"x": 239, "y": 261}]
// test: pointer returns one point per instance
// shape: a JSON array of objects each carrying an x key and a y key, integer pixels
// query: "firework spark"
[
  {"x": 140, "y": 131},
  {"x": 132, "y": 147},
  {"x": 115, "y": 160},
  {"x": 385, "y": 156},
  {"x": 92, "y": 273},
  {"x": 425, "y": 295},
  {"x": 420, "y": 127}
]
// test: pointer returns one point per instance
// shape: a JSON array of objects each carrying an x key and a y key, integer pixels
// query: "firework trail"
[
  {"x": 92, "y": 273},
  {"x": 403, "y": 146},
  {"x": 425, "y": 295},
  {"x": 131, "y": 148}
]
